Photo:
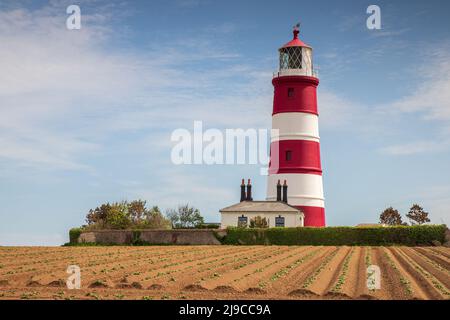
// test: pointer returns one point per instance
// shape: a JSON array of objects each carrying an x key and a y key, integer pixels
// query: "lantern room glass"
[{"x": 290, "y": 58}]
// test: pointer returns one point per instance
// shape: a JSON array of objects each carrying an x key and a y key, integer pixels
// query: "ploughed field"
[{"x": 225, "y": 272}]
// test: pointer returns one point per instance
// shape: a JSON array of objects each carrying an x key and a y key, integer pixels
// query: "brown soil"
[
  {"x": 442, "y": 251},
  {"x": 325, "y": 280},
  {"x": 419, "y": 283},
  {"x": 355, "y": 286},
  {"x": 297, "y": 277},
  {"x": 392, "y": 286},
  {"x": 223, "y": 272},
  {"x": 435, "y": 270},
  {"x": 432, "y": 255}
]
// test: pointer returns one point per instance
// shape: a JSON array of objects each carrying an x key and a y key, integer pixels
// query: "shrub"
[
  {"x": 208, "y": 226},
  {"x": 398, "y": 235},
  {"x": 185, "y": 217},
  {"x": 117, "y": 217},
  {"x": 258, "y": 222},
  {"x": 124, "y": 215},
  {"x": 74, "y": 234},
  {"x": 154, "y": 219}
]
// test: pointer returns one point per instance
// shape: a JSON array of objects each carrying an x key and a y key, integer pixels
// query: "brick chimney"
[
  {"x": 279, "y": 191},
  {"x": 243, "y": 190},
  {"x": 249, "y": 191},
  {"x": 285, "y": 198}
]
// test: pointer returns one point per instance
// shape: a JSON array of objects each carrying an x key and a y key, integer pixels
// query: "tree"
[
  {"x": 137, "y": 210},
  {"x": 154, "y": 219},
  {"x": 98, "y": 215},
  {"x": 258, "y": 222},
  {"x": 185, "y": 217},
  {"x": 417, "y": 216},
  {"x": 391, "y": 217},
  {"x": 118, "y": 217},
  {"x": 173, "y": 217},
  {"x": 123, "y": 215}
]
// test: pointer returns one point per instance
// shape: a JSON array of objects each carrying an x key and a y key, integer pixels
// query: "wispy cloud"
[
  {"x": 176, "y": 186},
  {"x": 389, "y": 33},
  {"x": 64, "y": 92},
  {"x": 432, "y": 97},
  {"x": 425, "y": 104},
  {"x": 191, "y": 3},
  {"x": 415, "y": 147}
]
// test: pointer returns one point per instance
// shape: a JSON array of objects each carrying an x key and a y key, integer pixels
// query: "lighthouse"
[{"x": 295, "y": 142}]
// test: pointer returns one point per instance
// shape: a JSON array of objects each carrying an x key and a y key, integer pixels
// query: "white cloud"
[
  {"x": 62, "y": 92},
  {"x": 426, "y": 104},
  {"x": 176, "y": 186},
  {"x": 337, "y": 112},
  {"x": 415, "y": 147},
  {"x": 432, "y": 96}
]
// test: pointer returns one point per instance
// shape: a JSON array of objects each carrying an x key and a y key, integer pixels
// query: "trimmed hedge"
[
  {"x": 74, "y": 234},
  {"x": 370, "y": 236}
]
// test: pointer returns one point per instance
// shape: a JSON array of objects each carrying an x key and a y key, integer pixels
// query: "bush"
[
  {"x": 398, "y": 235},
  {"x": 208, "y": 226},
  {"x": 185, "y": 217},
  {"x": 74, "y": 234},
  {"x": 126, "y": 215},
  {"x": 117, "y": 217},
  {"x": 258, "y": 222}
]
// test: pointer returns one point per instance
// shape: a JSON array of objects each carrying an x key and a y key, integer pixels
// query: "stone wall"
[{"x": 179, "y": 237}]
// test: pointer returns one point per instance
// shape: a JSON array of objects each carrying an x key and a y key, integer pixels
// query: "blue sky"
[{"x": 86, "y": 115}]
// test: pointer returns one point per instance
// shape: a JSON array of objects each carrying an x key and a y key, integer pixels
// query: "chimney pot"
[
  {"x": 243, "y": 196},
  {"x": 278, "y": 191},
  {"x": 249, "y": 191},
  {"x": 285, "y": 187}
]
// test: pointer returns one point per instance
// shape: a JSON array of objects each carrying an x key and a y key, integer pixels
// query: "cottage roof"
[{"x": 262, "y": 206}]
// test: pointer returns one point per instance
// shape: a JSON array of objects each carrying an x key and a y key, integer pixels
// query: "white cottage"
[{"x": 278, "y": 213}]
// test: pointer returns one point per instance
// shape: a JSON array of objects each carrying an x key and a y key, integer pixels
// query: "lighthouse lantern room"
[
  {"x": 296, "y": 58},
  {"x": 295, "y": 142}
]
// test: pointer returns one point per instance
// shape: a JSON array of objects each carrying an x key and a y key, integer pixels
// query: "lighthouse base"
[{"x": 314, "y": 216}]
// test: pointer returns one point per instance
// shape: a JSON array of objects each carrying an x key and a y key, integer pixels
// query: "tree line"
[
  {"x": 137, "y": 215},
  {"x": 416, "y": 216}
]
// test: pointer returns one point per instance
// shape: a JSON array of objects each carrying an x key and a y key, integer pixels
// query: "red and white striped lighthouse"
[{"x": 295, "y": 148}]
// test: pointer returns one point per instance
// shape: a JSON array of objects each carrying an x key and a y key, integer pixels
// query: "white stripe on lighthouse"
[
  {"x": 296, "y": 126},
  {"x": 303, "y": 189}
]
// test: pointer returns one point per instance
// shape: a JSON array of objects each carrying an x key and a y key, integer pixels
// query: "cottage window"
[
  {"x": 279, "y": 221},
  {"x": 242, "y": 221}
]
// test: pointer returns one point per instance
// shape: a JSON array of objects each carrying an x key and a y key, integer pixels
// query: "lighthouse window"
[
  {"x": 290, "y": 92},
  {"x": 288, "y": 155}
]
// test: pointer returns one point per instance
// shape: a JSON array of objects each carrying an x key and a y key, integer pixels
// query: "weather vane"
[{"x": 296, "y": 30}]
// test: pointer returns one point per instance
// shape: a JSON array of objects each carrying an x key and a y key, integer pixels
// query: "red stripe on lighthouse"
[
  {"x": 295, "y": 94},
  {"x": 314, "y": 216},
  {"x": 296, "y": 156}
]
